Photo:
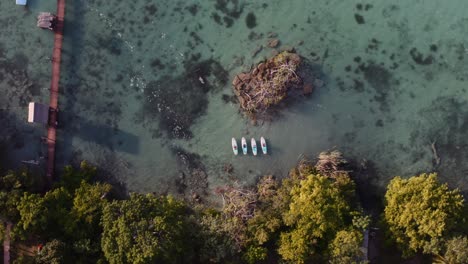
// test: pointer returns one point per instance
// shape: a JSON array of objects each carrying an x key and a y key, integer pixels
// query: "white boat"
[
  {"x": 253, "y": 143},
  {"x": 244, "y": 146},
  {"x": 21, "y": 2},
  {"x": 234, "y": 146},
  {"x": 264, "y": 145}
]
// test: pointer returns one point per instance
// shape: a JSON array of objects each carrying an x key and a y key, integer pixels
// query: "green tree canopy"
[
  {"x": 146, "y": 229},
  {"x": 420, "y": 212},
  {"x": 88, "y": 202},
  {"x": 273, "y": 200},
  {"x": 319, "y": 207},
  {"x": 70, "y": 213},
  {"x": 71, "y": 178},
  {"x": 84, "y": 227},
  {"x": 12, "y": 186},
  {"x": 346, "y": 247},
  {"x": 457, "y": 250},
  {"x": 33, "y": 215},
  {"x": 218, "y": 244},
  {"x": 53, "y": 252}
]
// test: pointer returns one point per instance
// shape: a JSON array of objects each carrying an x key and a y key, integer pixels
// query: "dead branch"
[
  {"x": 268, "y": 83},
  {"x": 331, "y": 163},
  {"x": 435, "y": 154}
]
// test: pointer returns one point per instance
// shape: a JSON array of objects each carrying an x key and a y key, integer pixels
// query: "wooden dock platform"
[{"x": 54, "y": 90}]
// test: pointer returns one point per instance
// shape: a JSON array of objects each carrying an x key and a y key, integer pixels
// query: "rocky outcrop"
[{"x": 268, "y": 83}]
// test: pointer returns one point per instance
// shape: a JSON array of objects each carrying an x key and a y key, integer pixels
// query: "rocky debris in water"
[
  {"x": 237, "y": 62},
  {"x": 193, "y": 179},
  {"x": 273, "y": 43},
  {"x": 314, "y": 56},
  {"x": 180, "y": 183},
  {"x": 257, "y": 50},
  {"x": 228, "y": 168},
  {"x": 15, "y": 75},
  {"x": 307, "y": 89},
  {"x": 318, "y": 83},
  {"x": 253, "y": 121},
  {"x": 229, "y": 98},
  {"x": 359, "y": 19},
  {"x": 255, "y": 36},
  {"x": 230, "y": 8},
  {"x": 179, "y": 101},
  {"x": 272, "y": 35},
  {"x": 267, "y": 84},
  {"x": 419, "y": 58},
  {"x": 288, "y": 49}
]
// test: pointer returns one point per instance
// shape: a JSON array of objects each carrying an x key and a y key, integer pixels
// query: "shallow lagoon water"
[{"x": 394, "y": 82}]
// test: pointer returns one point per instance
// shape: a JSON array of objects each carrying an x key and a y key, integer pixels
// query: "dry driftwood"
[
  {"x": 268, "y": 83},
  {"x": 435, "y": 154},
  {"x": 331, "y": 163}
]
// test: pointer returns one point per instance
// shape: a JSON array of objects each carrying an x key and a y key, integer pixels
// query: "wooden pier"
[
  {"x": 54, "y": 90},
  {"x": 6, "y": 243}
]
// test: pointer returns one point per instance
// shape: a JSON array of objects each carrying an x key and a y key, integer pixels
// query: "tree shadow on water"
[
  {"x": 107, "y": 136},
  {"x": 370, "y": 191},
  {"x": 70, "y": 79},
  {"x": 19, "y": 141}
]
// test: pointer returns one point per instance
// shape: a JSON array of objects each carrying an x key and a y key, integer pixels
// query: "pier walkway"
[
  {"x": 6, "y": 243},
  {"x": 54, "y": 90}
]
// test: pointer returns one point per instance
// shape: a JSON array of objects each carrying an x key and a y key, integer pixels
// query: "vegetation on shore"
[
  {"x": 425, "y": 216},
  {"x": 311, "y": 216}
]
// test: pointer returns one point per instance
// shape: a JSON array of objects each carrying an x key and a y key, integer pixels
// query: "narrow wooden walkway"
[
  {"x": 54, "y": 90},
  {"x": 6, "y": 243}
]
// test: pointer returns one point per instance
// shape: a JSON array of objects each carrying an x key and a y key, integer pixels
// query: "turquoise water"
[{"x": 131, "y": 102}]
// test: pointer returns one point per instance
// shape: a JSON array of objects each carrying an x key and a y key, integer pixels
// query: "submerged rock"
[
  {"x": 308, "y": 88},
  {"x": 273, "y": 43},
  {"x": 179, "y": 101},
  {"x": 193, "y": 179},
  {"x": 272, "y": 35},
  {"x": 257, "y": 50}
]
